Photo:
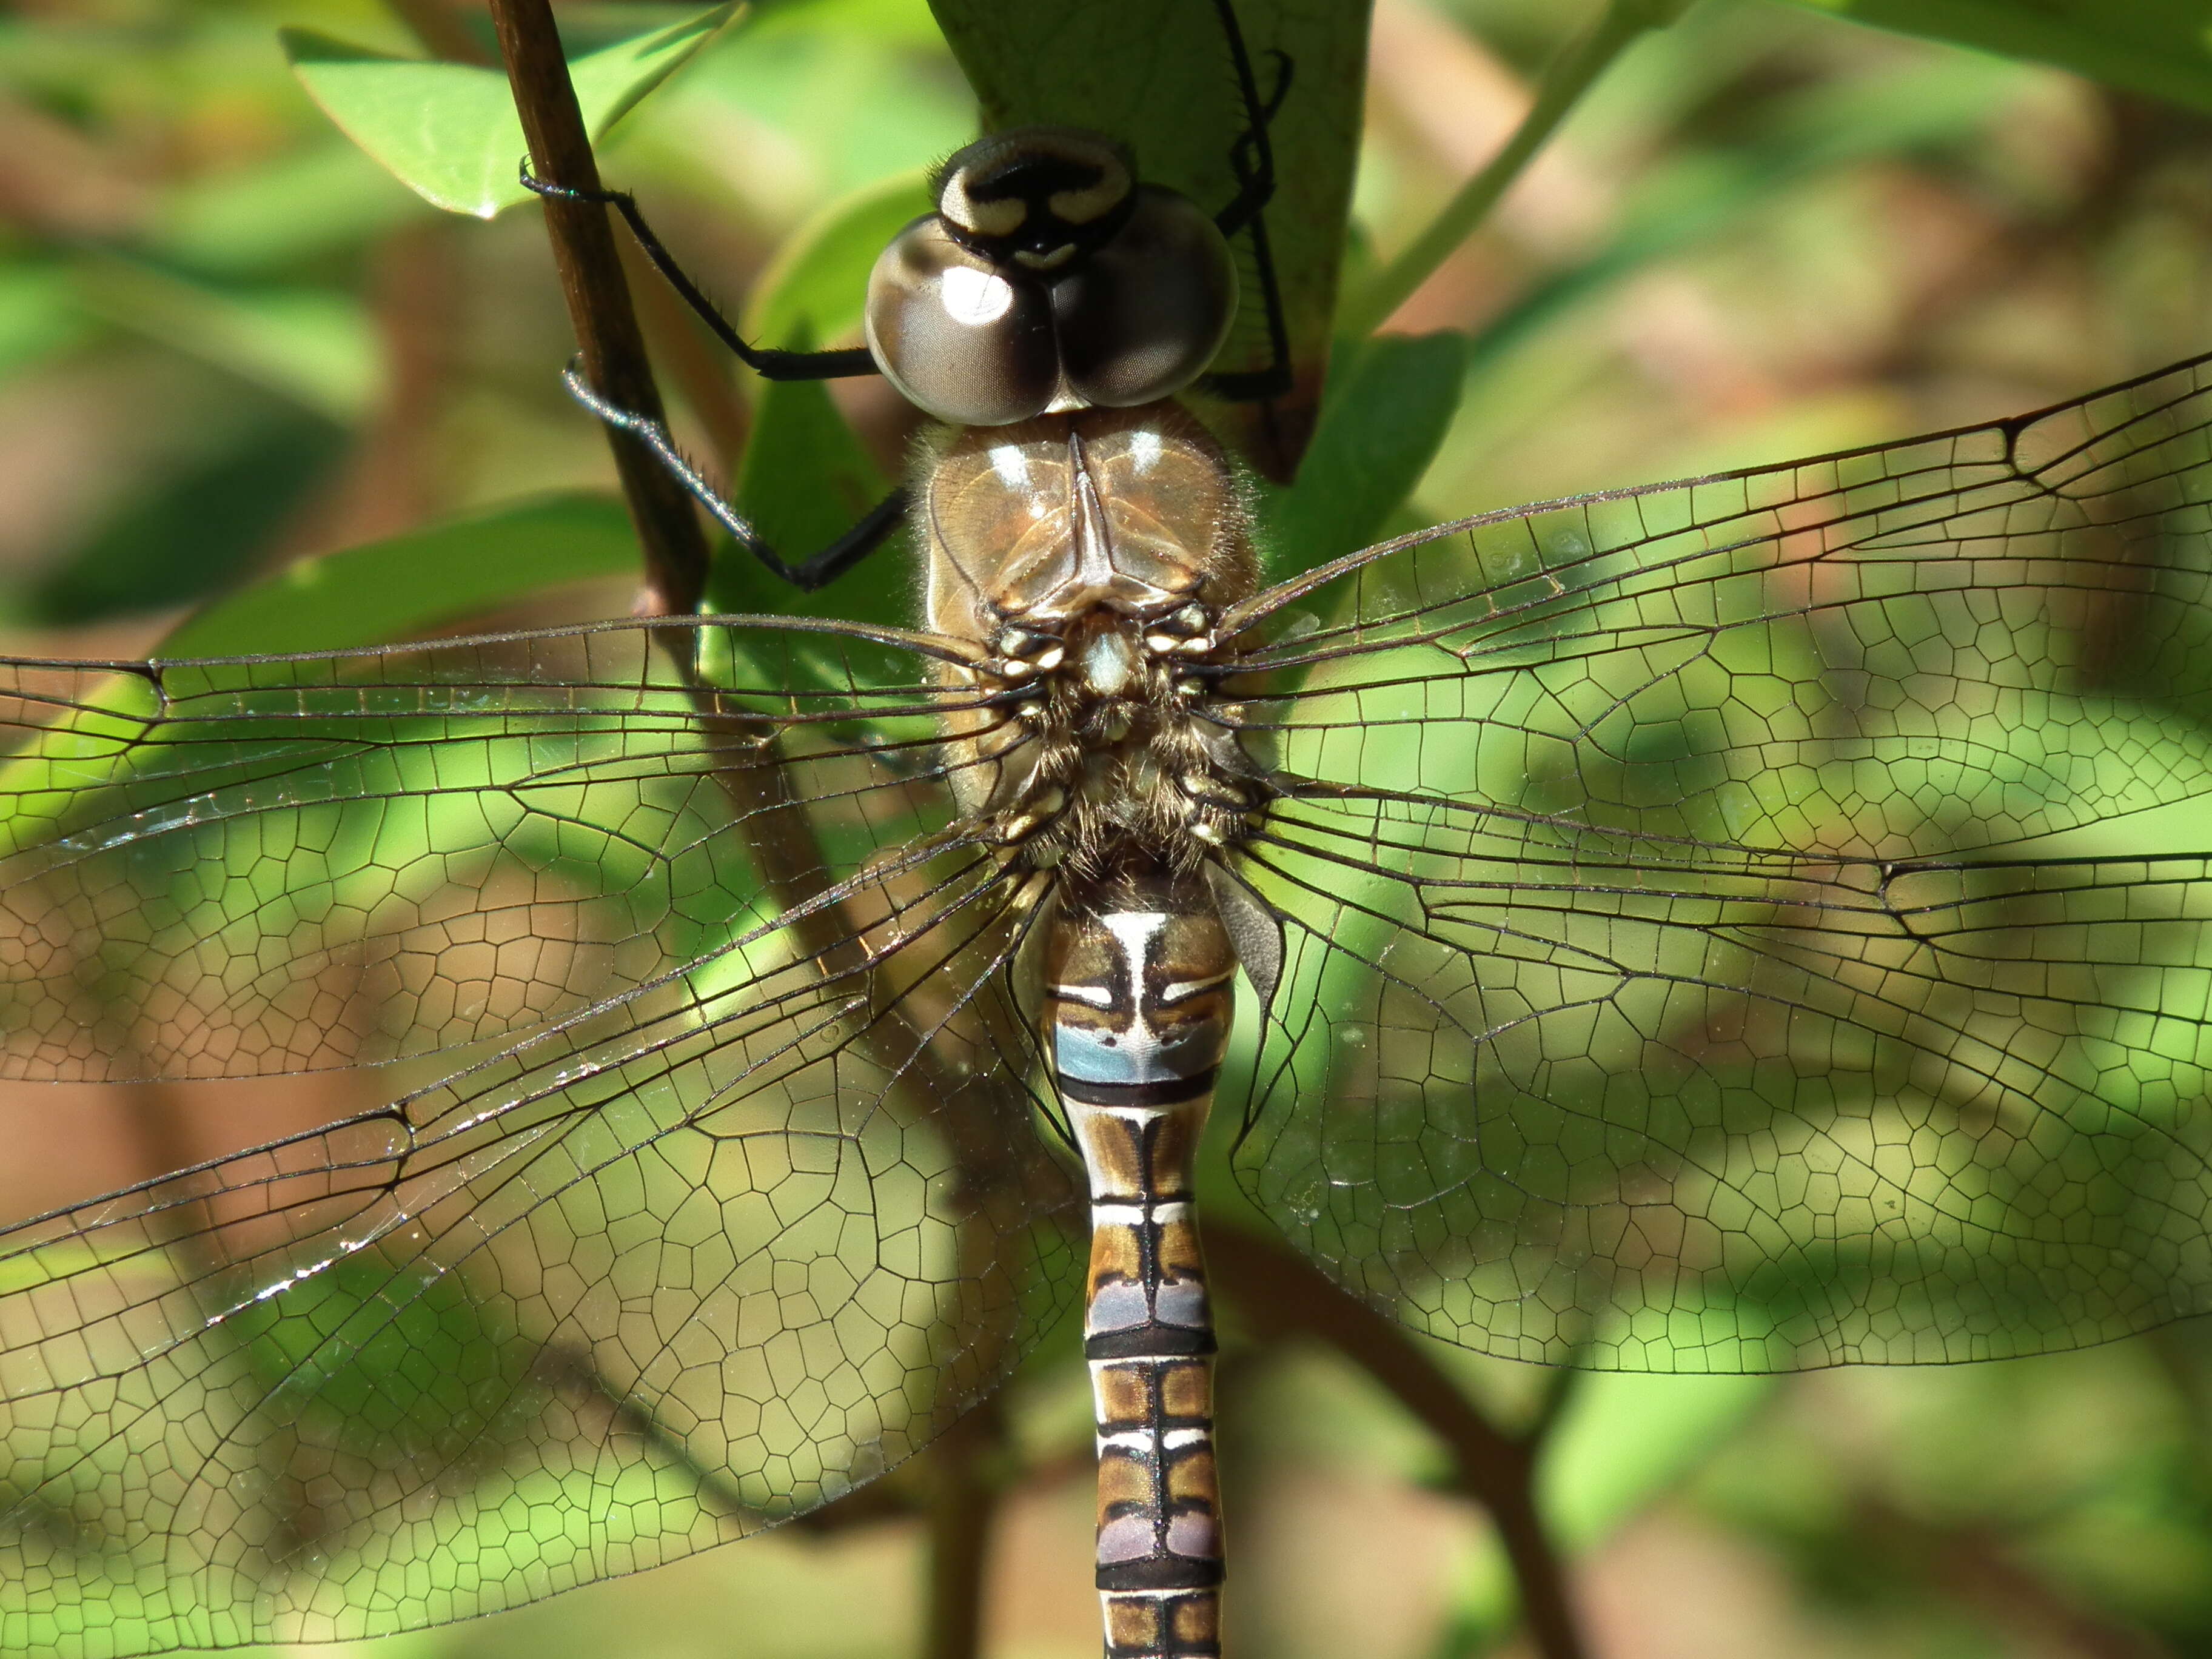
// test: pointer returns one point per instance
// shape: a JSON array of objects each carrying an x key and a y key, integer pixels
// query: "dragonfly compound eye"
[
  {"x": 1036, "y": 198},
  {"x": 1048, "y": 281},
  {"x": 958, "y": 335},
  {"x": 1141, "y": 317}
]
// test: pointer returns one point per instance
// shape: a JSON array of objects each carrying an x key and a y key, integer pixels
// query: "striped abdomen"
[{"x": 1138, "y": 997}]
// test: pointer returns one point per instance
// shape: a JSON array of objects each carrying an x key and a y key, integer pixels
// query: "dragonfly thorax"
[
  {"x": 1109, "y": 743},
  {"x": 1091, "y": 557},
  {"x": 1130, "y": 511}
]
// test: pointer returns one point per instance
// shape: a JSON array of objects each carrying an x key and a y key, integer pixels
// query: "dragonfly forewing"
[
  {"x": 743, "y": 1231},
  {"x": 1720, "y": 935}
]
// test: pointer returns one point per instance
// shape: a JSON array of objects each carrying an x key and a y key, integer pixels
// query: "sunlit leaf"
[
  {"x": 820, "y": 277},
  {"x": 805, "y": 480},
  {"x": 449, "y": 131},
  {"x": 1385, "y": 415}
]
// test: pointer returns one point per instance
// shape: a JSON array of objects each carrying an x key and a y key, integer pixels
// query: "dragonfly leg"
[
  {"x": 1251, "y": 156},
  {"x": 767, "y": 361},
  {"x": 817, "y": 569}
]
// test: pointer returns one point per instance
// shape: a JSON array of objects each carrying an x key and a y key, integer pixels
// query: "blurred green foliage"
[
  {"x": 228, "y": 340},
  {"x": 2153, "y": 46}
]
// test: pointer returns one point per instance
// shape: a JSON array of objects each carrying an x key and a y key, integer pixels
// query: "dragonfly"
[{"x": 1728, "y": 925}]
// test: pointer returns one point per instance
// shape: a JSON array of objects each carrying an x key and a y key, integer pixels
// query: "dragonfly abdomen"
[{"x": 1138, "y": 999}]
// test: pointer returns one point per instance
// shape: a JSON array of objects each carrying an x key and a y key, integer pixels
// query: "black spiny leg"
[
  {"x": 816, "y": 568},
  {"x": 767, "y": 361},
  {"x": 1252, "y": 159},
  {"x": 810, "y": 573},
  {"x": 1252, "y": 155}
]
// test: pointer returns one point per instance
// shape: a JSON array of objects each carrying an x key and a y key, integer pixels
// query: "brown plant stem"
[
  {"x": 1573, "y": 74},
  {"x": 963, "y": 1504},
  {"x": 773, "y": 821},
  {"x": 1975, "y": 1566},
  {"x": 1280, "y": 1295},
  {"x": 590, "y": 268},
  {"x": 754, "y": 776},
  {"x": 392, "y": 481}
]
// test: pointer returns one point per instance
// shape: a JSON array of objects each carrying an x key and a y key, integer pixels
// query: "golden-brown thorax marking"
[{"x": 1092, "y": 554}]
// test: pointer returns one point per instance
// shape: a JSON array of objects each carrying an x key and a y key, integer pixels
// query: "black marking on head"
[{"x": 1036, "y": 198}]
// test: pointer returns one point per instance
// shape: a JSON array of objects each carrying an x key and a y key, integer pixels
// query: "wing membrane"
[
  {"x": 234, "y": 868},
  {"x": 1715, "y": 940},
  {"x": 1718, "y": 935},
  {"x": 696, "y": 1261},
  {"x": 1665, "y": 1108},
  {"x": 1952, "y": 642}
]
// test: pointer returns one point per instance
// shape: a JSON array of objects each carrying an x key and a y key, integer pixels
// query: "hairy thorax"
[{"x": 1092, "y": 556}]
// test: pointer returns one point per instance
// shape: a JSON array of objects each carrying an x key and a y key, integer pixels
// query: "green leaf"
[
  {"x": 449, "y": 131},
  {"x": 1386, "y": 414},
  {"x": 398, "y": 588},
  {"x": 839, "y": 94},
  {"x": 806, "y": 477},
  {"x": 40, "y": 315},
  {"x": 1701, "y": 195},
  {"x": 818, "y": 280},
  {"x": 388, "y": 1361},
  {"x": 295, "y": 205},
  {"x": 1155, "y": 74},
  {"x": 1623, "y": 1441},
  {"x": 198, "y": 531},
  {"x": 2162, "y": 47}
]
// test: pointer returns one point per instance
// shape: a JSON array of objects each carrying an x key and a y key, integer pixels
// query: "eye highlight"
[
  {"x": 975, "y": 299},
  {"x": 1048, "y": 281}
]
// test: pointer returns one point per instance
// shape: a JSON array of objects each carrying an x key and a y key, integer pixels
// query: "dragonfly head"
[{"x": 1048, "y": 279}]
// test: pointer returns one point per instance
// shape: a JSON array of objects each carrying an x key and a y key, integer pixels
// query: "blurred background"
[{"x": 228, "y": 340}]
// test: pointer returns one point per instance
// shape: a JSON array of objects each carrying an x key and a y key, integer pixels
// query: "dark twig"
[
  {"x": 1975, "y": 1566},
  {"x": 1559, "y": 1387},
  {"x": 607, "y": 333},
  {"x": 1280, "y": 1294},
  {"x": 774, "y": 822},
  {"x": 963, "y": 1504}
]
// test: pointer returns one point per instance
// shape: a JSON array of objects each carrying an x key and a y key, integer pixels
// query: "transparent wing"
[
  {"x": 743, "y": 1232},
  {"x": 1758, "y": 922},
  {"x": 261, "y": 866}
]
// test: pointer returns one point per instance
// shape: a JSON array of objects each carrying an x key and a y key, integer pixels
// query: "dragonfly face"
[
  {"x": 1048, "y": 279},
  {"x": 1643, "y": 963}
]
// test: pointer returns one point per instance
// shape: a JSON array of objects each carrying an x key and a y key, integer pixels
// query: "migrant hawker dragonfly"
[
  {"x": 1644, "y": 955},
  {"x": 1697, "y": 928}
]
